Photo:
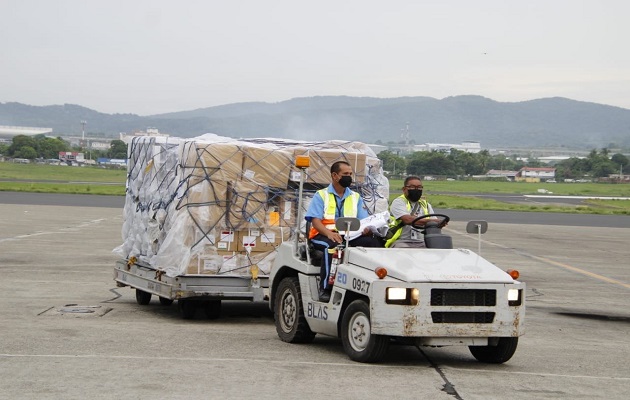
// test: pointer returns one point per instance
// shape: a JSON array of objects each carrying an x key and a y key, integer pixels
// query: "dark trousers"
[{"x": 322, "y": 243}]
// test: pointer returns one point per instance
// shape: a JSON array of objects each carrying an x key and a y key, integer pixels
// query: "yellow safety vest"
[
  {"x": 396, "y": 225},
  {"x": 350, "y": 209}
]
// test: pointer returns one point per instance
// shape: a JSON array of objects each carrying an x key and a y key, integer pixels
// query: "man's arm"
[
  {"x": 331, "y": 235},
  {"x": 399, "y": 210}
]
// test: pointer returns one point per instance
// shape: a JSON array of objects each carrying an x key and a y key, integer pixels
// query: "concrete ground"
[{"x": 55, "y": 261}]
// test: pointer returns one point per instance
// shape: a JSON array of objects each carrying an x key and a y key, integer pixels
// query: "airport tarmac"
[{"x": 56, "y": 260}]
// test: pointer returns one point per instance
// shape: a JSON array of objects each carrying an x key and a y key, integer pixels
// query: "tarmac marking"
[
  {"x": 285, "y": 362},
  {"x": 548, "y": 261},
  {"x": 246, "y": 360},
  {"x": 614, "y": 378},
  {"x": 70, "y": 228},
  {"x": 579, "y": 270}
]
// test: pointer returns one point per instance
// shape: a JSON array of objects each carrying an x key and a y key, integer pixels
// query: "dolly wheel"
[
  {"x": 187, "y": 308},
  {"x": 143, "y": 298},
  {"x": 212, "y": 309},
  {"x": 165, "y": 301}
]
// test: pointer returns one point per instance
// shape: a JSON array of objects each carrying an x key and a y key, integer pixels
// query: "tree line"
[
  {"x": 44, "y": 147},
  {"x": 458, "y": 163}
]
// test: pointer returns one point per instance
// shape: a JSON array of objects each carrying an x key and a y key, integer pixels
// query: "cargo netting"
[{"x": 217, "y": 205}]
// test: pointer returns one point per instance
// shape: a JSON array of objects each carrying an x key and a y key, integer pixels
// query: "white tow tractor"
[{"x": 434, "y": 296}]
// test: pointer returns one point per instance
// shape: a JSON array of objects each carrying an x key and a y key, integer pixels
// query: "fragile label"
[
  {"x": 227, "y": 236},
  {"x": 249, "y": 241}
]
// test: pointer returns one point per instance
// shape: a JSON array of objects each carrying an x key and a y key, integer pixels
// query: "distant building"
[
  {"x": 127, "y": 138},
  {"x": 111, "y": 161},
  {"x": 71, "y": 156},
  {"x": 500, "y": 173},
  {"x": 467, "y": 146},
  {"x": 7, "y": 133},
  {"x": 532, "y": 174}
]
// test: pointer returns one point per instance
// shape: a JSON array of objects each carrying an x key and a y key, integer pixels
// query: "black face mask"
[
  {"x": 414, "y": 194},
  {"x": 345, "y": 181}
]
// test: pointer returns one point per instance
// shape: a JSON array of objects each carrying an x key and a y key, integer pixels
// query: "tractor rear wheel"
[{"x": 291, "y": 323}]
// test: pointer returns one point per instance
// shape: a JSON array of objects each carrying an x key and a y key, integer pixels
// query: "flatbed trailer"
[{"x": 192, "y": 292}]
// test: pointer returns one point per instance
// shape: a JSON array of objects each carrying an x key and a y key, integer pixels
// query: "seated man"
[
  {"x": 405, "y": 209},
  {"x": 328, "y": 204}
]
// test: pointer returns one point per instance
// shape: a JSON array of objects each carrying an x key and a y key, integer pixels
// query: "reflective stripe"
[
  {"x": 350, "y": 208},
  {"x": 397, "y": 225}
]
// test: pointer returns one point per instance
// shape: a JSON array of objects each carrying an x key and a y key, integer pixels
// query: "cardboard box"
[
  {"x": 262, "y": 240},
  {"x": 322, "y": 160},
  {"x": 208, "y": 197},
  {"x": 267, "y": 167},
  {"x": 211, "y": 161},
  {"x": 211, "y": 247}
]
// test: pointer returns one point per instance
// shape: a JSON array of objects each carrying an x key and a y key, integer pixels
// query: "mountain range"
[{"x": 548, "y": 122}]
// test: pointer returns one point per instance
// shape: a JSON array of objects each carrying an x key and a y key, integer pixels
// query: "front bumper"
[{"x": 449, "y": 310}]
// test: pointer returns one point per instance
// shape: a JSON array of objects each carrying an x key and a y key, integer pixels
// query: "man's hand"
[{"x": 334, "y": 236}]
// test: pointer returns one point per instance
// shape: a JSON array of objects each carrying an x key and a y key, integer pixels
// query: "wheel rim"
[
  {"x": 288, "y": 311},
  {"x": 359, "y": 331}
]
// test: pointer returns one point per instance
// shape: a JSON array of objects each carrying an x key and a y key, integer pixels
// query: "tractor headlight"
[
  {"x": 402, "y": 296},
  {"x": 515, "y": 297}
]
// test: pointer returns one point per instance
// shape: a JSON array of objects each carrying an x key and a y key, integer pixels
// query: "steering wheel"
[{"x": 440, "y": 224}]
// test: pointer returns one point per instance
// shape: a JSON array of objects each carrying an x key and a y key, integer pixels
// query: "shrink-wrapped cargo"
[{"x": 216, "y": 205}]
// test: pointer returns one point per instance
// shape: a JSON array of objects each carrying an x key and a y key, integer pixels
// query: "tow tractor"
[{"x": 434, "y": 296}]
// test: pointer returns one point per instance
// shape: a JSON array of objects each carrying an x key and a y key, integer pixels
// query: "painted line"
[
  {"x": 545, "y": 196},
  {"x": 548, "y": 261},
  {"x": 614, "y": 378},
  {"x": 207, "y": 359},
  {"x": 579, "y": 270},
  {"x": 67, "y": 229}
]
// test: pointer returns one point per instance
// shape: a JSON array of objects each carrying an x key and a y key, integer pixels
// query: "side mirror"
[
  {"x": 477, "y": 227},
  {"x": 344, "y": 224}
]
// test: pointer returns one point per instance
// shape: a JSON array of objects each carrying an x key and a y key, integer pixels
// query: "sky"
[{"x": 155, "y": 56}]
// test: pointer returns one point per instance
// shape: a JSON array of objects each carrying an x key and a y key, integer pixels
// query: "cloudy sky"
[{"x": 155, "y": 56}]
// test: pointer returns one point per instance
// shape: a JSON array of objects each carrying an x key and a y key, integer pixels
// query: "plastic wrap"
[{"x": 217, "y": 205}]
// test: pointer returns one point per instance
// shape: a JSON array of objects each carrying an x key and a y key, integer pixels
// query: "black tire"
[
  {"x": 502, "y": 352},
  {"x": 212, "y": 309},
  {"x": 289, "y": 316},
  {"x": 165, "y": 301},
  {"x": 143, "y": 298},
  {"x": 187, "y": 308},
  {"x": 358, "y": 341}
]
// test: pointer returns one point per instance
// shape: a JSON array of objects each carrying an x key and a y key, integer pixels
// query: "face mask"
[
  {"x": 345, "y": 181},
  {"x": 414, "y": 195}
]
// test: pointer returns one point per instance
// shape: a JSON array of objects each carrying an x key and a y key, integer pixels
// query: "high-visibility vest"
[
  {"x": 396, "y": 225},
  {"x": 350, "y": 209}
]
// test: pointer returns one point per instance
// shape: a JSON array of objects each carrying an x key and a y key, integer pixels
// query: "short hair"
[
  {"x": 336, "y": 167},
  {"x": 410, "y": 178}
]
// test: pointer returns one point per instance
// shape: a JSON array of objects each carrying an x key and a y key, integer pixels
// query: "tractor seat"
[{"x": 316, "y": 255}]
